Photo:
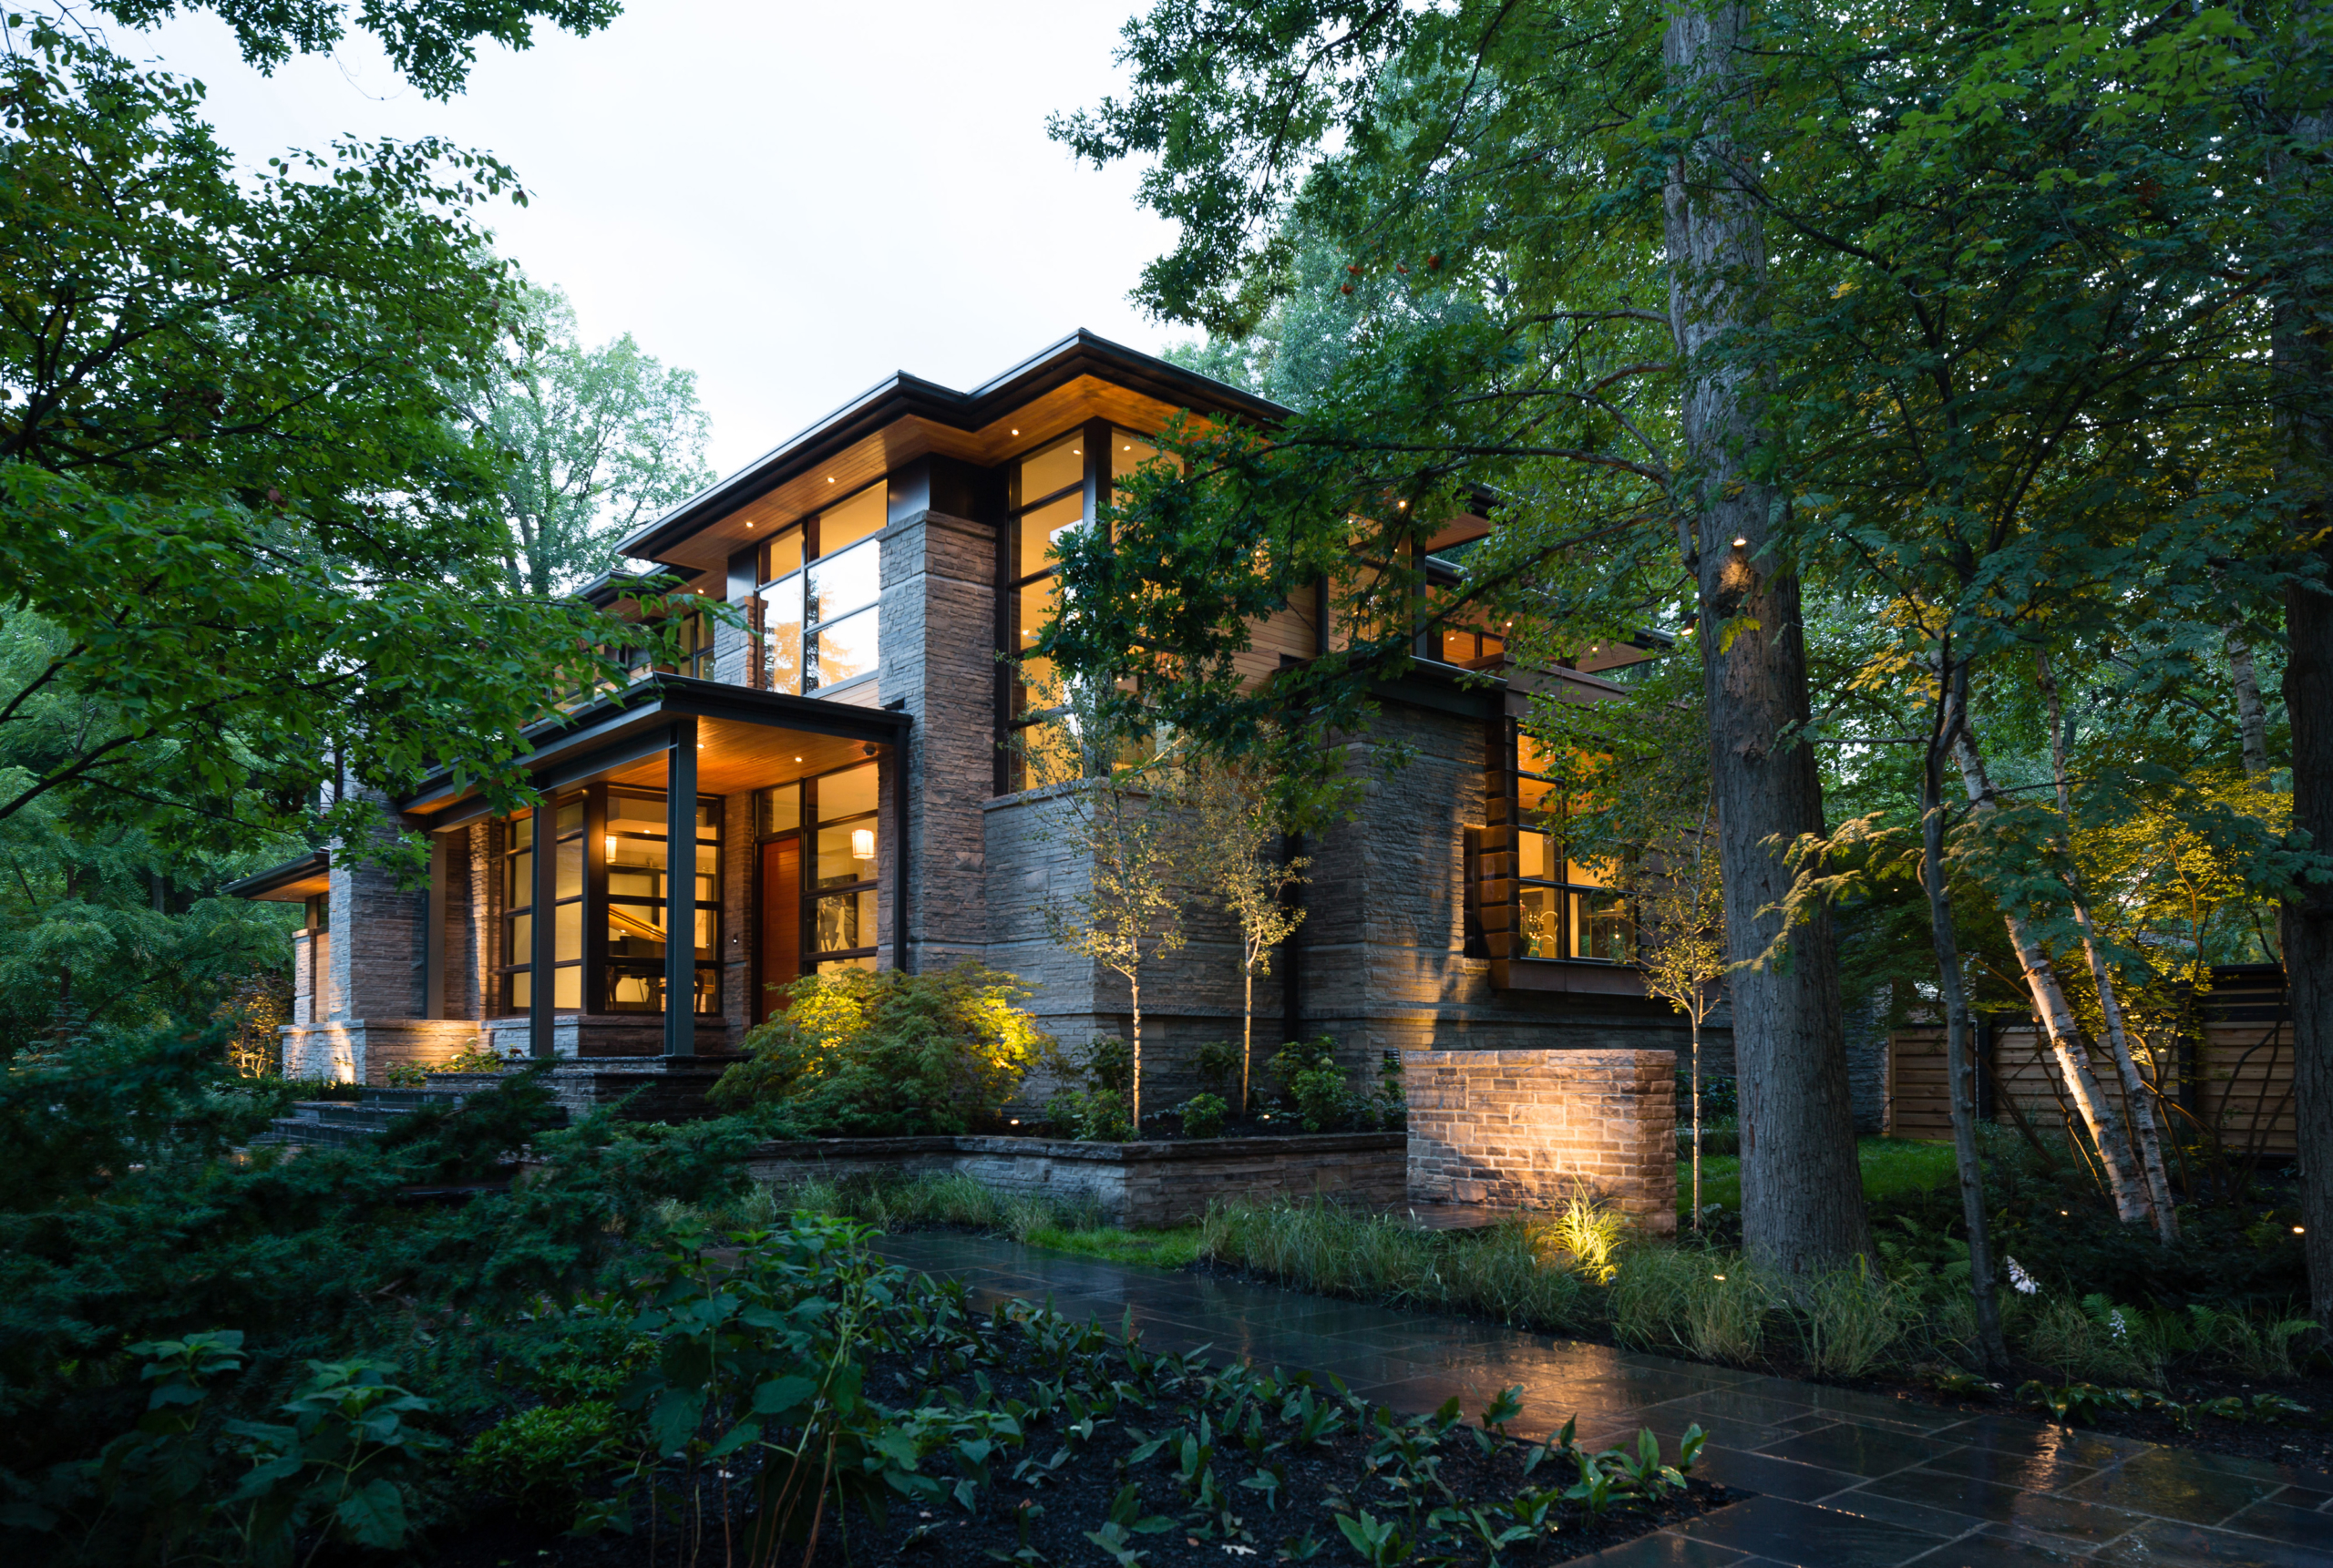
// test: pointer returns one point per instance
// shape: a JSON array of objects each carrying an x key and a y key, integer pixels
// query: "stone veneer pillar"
[{"x": 1522, "y": 1129}]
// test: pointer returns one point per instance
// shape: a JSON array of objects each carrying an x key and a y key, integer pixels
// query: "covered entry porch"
[{"x": 767, "y": 830}]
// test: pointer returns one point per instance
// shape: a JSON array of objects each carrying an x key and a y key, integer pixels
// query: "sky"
[{"x": 792, "y": 199}]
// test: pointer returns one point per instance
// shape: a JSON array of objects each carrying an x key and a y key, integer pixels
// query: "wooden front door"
[{"x": 781, "y": 923}]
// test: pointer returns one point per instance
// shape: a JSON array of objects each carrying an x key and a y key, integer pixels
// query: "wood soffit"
[
  {"x": 863, "y": 462},
  {"x": 733, "y": 758}
]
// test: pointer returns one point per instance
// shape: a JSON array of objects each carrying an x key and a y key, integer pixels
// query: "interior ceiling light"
[{"x": 1016, "y": 433}]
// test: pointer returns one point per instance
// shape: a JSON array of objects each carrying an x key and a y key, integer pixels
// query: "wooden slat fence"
[{"x": 2231, "y": 1078}]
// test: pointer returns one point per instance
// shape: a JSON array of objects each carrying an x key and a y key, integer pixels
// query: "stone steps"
[{"x": 326, "y": 1124}]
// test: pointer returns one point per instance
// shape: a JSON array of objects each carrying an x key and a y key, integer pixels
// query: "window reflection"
[
  {"x": 844, "y": 651},
  {"x": 820, "y": 580}
]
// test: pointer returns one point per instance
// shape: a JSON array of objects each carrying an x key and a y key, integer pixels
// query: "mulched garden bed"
[{"x": 1047, "y": 1498}]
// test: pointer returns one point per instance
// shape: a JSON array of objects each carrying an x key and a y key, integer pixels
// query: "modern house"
[{"x": 839, "y": 770}]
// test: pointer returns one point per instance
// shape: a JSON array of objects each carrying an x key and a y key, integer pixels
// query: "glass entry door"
[{"x": 780, "y": 922}]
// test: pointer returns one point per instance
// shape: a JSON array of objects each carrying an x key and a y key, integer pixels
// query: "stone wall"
[
  {"x": 1139, "y": 1185},
  {"x": 361, "y": 1050},
  {"x": 1189, "y": 998},
  {"x": 1525, "y": 1128},
  {"x": 375, "y": 957},
  {"x": 938, "y": 640}
]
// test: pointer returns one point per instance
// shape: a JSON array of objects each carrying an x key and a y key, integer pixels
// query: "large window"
[
  {"x": 818, "y": 611},
  {"x": 834, "y": 816},
  {"x": 1048, "y": 493},
  {"x": 609, "y": 875},
  {"x": 639, "y": 861},
  {"x": 1566, "y": 909},
  {"x": 519, "y": 911}
]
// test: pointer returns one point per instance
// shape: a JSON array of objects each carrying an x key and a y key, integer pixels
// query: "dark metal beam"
[
  {"x": 542, "y": 952},
  {"x": 680, "y": 889}
]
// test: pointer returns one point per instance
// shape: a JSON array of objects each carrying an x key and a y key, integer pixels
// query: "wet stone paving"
[{"x": 1842, "y": 1479}]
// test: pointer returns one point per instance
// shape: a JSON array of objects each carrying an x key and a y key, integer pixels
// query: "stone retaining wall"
[
  {"x": 1139, "y": 1185},
  {"x": 1521, "y": 1129},
  {"x": 361, "y": 1050}
]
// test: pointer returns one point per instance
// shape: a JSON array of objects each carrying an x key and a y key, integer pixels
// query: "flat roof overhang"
[
  {"x": 904, "y": 416},
  {"x": 294, "y": 882},
  {"x": 748, "y": 739}
]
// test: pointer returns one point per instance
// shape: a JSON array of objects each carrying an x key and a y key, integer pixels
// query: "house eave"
[
  {"x": 561, "y": 745},
  {"x": 282, "y": 883},
  {"x": 902, "y": 395}
]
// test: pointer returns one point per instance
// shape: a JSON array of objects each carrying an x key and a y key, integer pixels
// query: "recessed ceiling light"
[
  {"x": 1016, "y": 433},
  {"x": 797, "y": 759},
  {"x": 830, "y": 481}
]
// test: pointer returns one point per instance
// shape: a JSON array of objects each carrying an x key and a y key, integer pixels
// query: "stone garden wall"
[
  {"x": 1521, "y": 1129},
  {"x": 1138, "y": 1186}
]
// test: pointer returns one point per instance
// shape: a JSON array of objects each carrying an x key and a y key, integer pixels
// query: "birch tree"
[
  {"x": 1236, "y": 832},
  {"x": 1680, "y": 924},
  {"x": 1118, "y": 814}
]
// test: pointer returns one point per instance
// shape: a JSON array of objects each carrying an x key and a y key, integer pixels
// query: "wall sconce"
[
  {"x": 612, "y": 849},
  {"x": 862, "y": 844}
]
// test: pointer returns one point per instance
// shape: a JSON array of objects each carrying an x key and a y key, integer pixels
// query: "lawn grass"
[
  {"x": 1891, "y": 1168},
  {"x": 1160, "y": 1249}
]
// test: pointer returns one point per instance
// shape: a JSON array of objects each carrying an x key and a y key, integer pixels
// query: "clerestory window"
[{"x": 818, "y": 611}]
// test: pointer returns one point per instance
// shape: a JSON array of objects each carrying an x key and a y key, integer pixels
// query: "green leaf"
[{"x": 374, "y": 1515}]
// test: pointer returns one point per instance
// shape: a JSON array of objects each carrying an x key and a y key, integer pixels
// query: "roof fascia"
[
  {"x": 598, "y": 732},
  {"x": 902, "y": 395}
]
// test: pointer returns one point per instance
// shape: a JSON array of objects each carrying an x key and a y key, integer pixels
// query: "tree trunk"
[
  {"x": 2302, "y": 374},
  {"x": 1960, "y": 1057},
  {"x": 1695, "y": 1019},
  {"x": 1802, "y": 1189},
  {"x": 2122, "y": 1182},
  {"x": 2137, "y": 1092},
  {"x": 1134, "y": 1075},
  {"x": 2251, "y": 714},
  {"x": 1247, "y": 1039}
]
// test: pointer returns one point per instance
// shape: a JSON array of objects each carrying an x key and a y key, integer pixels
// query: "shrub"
[
  {"x": 550, "y": 1459},
  {"x": 874, "y": 1053},
  {"x": 1218, "y": 1066},
  {"x": 1324, "y": 1096},
  {"x": 1099, "y": 1112},
  {"x": 477, "y": 1059},
  {"x": 1203, "y": 1115}
]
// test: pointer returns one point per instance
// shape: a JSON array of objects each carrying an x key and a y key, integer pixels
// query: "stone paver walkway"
[{"x": 1845, "y": 1479}]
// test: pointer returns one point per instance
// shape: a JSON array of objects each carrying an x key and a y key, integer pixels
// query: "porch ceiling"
[
  {"x": 748, "y": 738},
  {"x": 732, "y": 758}
]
